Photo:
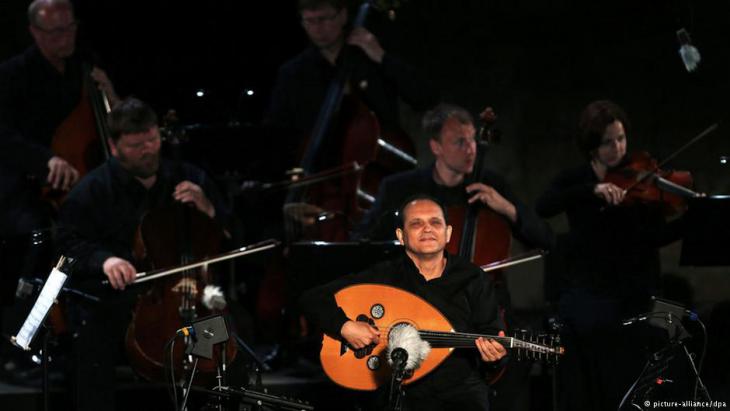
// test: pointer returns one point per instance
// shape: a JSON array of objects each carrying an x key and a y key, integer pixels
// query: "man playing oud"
[{"x": 454, "y": 286}]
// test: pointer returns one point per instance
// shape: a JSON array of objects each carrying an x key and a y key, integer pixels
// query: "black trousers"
[
  {"x": 97, "y": 349},
  {"x": 471, "y": 394}
]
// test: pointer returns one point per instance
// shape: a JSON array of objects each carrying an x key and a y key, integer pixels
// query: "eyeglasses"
[
  {"x": 313, "y": 21},
  {"x": 139, "y": 145},
  {"x": 59, "y": 31}
]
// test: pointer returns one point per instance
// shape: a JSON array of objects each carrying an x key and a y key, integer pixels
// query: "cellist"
[
  {"x": 451, "y": 134},
  {"x": 98, "y": 223}
]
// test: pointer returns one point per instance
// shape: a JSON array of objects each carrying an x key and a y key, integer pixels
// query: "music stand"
[
  {"x": 37, "y": 319},
  {"x": 707, "y": 236}
]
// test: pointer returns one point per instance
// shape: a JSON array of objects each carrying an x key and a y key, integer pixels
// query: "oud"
[{"x": 386, "y": 307}]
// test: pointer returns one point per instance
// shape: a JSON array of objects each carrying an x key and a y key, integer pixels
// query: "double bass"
[{"x": 82, "y": 138}]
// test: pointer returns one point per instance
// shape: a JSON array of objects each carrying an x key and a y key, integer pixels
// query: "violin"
[{"x": 644, "y": 182}]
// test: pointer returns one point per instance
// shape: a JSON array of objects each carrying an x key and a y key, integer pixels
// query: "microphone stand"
[
  {"x": 659, "y": 362},
  {"x": 396, "y": 394}
]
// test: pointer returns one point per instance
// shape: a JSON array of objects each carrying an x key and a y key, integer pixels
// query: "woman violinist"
[{"x": 609, "y": 262}]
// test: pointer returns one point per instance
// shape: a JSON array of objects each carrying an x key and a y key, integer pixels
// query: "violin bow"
[{"x": 677, "y": 152}]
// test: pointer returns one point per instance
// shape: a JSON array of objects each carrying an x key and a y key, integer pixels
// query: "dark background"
[{"x": 537, "y": 63}]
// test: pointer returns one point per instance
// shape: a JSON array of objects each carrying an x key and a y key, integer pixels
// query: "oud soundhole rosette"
[{"x": 377, "y": 311}]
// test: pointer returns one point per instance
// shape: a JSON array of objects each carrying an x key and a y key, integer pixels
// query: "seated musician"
[
  {"x": 452, "y": 141},
  {"x": 454, "y": 286},
  {"x": 608, "y": 264},
  {"x": 39, "y": 88},
  {"x": 98, "y": 224}
]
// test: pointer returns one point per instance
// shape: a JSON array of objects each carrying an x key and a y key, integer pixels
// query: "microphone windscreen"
[
  {"x": 213, "y": 298},
  {"x": 406, "y": 336}
]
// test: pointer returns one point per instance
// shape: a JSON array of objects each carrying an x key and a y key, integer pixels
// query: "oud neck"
[{"x": 438, "y": 339}]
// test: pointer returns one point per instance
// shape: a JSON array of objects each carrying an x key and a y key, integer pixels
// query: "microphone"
[
  {"x": 399, "y": 359},
  {"x": 691, "y": 315},
  {"x": 689, "y": 53},
  {"x": 634, "y": 320},
  {"x": 406, "y": 349}
]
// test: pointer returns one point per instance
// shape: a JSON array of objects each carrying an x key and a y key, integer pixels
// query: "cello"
[{"x": 483, "y": 236}]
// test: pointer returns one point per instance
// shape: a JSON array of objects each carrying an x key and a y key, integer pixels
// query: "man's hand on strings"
[
  {"x": 610, "y": 193},
  {"x": 492, "y": 199},
  {"x": 364, "y": 39},
  {"x": 303, "y": 213},
  {"x": 105, "y": 85},
  {"x": 187, "y": 192},
  {"x": 359, "y": 334},
  {"x": 119, "y": 272},
  {"x": 489, "y": 349},
  {"x": 61, "y": 174}
]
